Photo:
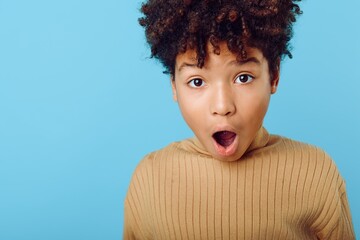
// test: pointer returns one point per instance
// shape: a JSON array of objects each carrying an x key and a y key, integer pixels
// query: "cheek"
[
  {"x": 254, "y": 106},
  {"x": 190, "y": 108}
]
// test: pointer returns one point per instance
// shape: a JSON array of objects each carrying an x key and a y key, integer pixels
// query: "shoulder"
[
  {"x": 150, "y": 171},
  {"x": 144, "y": 173},
  {"x": 317, "y": 174},
  {"x": 306, "y": 157},
  {"x": 154, "y": 160},
  {"x": 309, "y": 165},
  {"x": 144, "y": 189},
  {"x": 300, "y": 149}
]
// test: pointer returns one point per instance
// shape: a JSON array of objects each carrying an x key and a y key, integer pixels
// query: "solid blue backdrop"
[{"x": 81, "y": 103}]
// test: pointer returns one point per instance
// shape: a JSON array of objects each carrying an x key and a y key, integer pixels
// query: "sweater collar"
[{"x": 260, "y": 140}]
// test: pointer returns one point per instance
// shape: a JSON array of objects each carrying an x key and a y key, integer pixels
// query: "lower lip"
[{"x": 226, "y": 151}]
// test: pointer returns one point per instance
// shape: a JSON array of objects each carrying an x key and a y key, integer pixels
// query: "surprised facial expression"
[{"x": 225, "y": 101}]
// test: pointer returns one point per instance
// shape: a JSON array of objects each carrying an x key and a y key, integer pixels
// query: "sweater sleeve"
[
  {"x": 334, "y": 220},
  {"x": 341, "y": 227},
  {"x": 134, "y": 207},
  {"x": 130, "y": 225}
]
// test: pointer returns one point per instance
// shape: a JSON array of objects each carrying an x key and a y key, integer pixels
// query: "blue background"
[{"x": 81, "y": 103}]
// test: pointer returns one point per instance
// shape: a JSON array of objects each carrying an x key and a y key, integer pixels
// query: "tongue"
[{"x": 224, "y": 138}]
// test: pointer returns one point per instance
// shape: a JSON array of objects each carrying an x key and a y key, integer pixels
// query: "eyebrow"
[
  {"x": 185, "y": 64},
  {"x": 234, "y": 62},
  {"x": 242, "y": 62}
]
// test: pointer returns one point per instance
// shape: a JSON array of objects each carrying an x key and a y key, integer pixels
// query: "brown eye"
[
  {"x": 196, "y": 83},
  {"x": 244, "y": 78}
]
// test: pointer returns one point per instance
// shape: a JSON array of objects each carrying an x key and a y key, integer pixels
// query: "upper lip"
[{"x": 221, "y": 128}]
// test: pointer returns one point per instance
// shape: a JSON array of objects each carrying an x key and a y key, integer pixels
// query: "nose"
[{"x": 223, "y": 101}]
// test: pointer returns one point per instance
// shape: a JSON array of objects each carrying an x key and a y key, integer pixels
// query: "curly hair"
[{"x": 173, "y": 26}]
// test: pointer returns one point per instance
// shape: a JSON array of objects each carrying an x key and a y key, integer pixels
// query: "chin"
[{"x": 230, "y": 158}]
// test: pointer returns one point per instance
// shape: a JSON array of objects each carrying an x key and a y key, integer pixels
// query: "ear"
[
  {"x": 173, "y": 88},
  {"x": 275, "y": 79}
]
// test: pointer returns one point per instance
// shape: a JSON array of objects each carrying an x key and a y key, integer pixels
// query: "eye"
[
  {"x": 196, "y": 83},
  {"x": 244, "y": 78}
]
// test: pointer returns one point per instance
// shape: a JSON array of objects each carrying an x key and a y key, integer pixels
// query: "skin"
[{"x": 224, "y": 95}]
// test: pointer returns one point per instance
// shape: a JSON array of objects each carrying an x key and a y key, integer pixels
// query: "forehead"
[{"x": 189, "y": 58}]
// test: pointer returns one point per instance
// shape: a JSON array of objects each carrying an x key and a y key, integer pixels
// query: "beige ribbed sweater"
[{"x": 279, "y": 189}]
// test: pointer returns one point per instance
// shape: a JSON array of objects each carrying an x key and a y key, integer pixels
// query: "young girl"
[{"x": 233, "y": 180}]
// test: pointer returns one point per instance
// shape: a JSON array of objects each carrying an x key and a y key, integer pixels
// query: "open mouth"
[{"x": 224, "y": 138}]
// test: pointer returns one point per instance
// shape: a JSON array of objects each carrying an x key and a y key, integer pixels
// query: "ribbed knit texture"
[{"x": 279, "y": 189}]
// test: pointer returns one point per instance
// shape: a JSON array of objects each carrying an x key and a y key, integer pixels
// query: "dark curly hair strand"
[{"x": 173, "y": 26}]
